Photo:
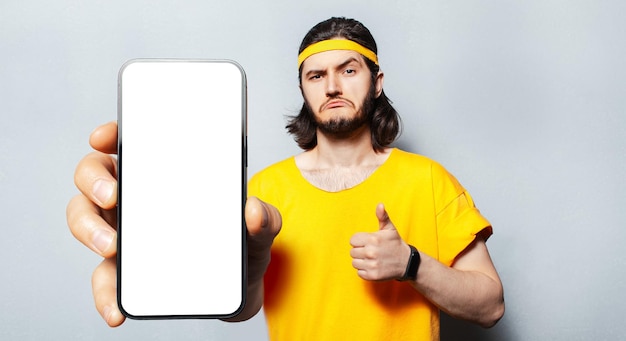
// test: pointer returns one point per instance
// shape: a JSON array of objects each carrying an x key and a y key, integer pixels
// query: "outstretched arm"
[
  {"x": 471, "y": 289},
  {"x": 263, "y": 222},
  {"x": 91, "y": 217}
]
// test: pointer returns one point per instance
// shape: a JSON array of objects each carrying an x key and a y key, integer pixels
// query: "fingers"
[
  {"x": 378, "y": 255},
  {"x": 381, "y": 259},
  {"x": 104, "y": 138},
  {"x": 104, "y": 286},
  {"x": 91, "y": 217},
  {"x": 364, "y": 268},
  {"x": 95, "y": 177},
  {"x": 87, "y": 223},
  {"x": 358, "y": 243},
  {"x": 361, "y": 239},
  {"x": 369, "y": 262}
]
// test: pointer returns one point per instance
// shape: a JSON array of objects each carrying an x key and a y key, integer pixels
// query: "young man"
[{"x": 366, "y": 241}]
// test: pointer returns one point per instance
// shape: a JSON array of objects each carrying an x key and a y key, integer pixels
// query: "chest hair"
[{"x": 338, "y": 178}]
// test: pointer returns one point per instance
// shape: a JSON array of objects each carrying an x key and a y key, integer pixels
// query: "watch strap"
[{"x": 411, "y": 268}]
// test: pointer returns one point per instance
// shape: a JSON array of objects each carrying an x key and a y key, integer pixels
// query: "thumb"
[
  {"x": 262, "y": 218},
  {"x": 384, "y": 223}
]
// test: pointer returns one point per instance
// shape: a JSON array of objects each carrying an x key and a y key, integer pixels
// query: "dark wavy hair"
[{"x": 384, "y": 121}]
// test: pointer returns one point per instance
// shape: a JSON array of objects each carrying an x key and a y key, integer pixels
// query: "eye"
[{"x": 314, "y": 77}]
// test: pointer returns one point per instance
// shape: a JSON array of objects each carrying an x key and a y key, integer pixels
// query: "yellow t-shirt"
[{"x": 312, "y": 292}]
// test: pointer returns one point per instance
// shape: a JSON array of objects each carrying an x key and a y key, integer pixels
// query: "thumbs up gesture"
[{"x": 380, "y": 255}]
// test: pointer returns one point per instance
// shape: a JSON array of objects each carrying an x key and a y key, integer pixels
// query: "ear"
[
  {"x": 380, "y": 79},
  {"x": 302, "y": 92}
]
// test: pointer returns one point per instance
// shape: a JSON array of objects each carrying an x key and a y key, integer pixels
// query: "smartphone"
[{"x": 182, "y": 188}]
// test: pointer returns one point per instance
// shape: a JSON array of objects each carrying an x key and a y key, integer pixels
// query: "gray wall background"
[{"x": 524, "y": 101}]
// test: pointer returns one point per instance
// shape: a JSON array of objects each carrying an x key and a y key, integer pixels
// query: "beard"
[{"x": 344, "y": 126}]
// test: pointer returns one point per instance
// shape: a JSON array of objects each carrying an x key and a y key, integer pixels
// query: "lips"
[{"x": 335, "y": 103}]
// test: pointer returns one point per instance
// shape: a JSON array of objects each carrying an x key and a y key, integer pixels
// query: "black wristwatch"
[{"x": 412, "y": 266}]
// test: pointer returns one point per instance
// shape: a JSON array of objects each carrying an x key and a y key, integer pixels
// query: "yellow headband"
[{"x": 336, "y": 44}]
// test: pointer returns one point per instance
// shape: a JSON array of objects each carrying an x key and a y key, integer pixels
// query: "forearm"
[
  {"x": 475, "y": 296},
  {"x": 263, "y": 222}
]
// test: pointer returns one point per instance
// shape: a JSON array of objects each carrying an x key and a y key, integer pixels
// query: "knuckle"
[
  {"x": 371, "y": 253},
  {"x": 373, "y": 274},
  {"x": 83, "y": 174},
  {"x": 374, "y": 239},
  {"x": 76, "y": 216},
  {"x": 71, "y": 208}
]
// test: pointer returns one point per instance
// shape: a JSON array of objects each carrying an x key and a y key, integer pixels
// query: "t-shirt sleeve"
[{"x": 458, "y": 219}]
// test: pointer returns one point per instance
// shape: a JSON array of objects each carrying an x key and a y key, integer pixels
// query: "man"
[{"x": 366, "y": 241}]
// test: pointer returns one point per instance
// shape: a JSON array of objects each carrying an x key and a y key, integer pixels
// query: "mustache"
[{"x": 335, "y": 98}]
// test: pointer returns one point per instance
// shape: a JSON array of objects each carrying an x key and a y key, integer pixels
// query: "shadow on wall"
[{"x": 458, "y": 330}]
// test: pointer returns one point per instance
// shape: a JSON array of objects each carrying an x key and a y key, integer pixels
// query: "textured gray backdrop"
[{"x": 524, "y": 101}]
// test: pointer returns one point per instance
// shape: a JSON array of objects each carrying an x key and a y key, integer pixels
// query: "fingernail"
[
  {"x": 102, "y": 240},
  {"x": 102, "y": 190}
]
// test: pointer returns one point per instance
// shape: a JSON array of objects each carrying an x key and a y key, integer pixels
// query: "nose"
[{"x": 333, "y": 86}]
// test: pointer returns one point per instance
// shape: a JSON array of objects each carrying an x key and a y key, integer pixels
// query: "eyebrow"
[{"x": 340, "y": 66}]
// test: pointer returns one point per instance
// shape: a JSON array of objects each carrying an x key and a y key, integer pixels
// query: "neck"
[
  {"x": 346, "y": 151},
  {"x": 339, "y": 163}
]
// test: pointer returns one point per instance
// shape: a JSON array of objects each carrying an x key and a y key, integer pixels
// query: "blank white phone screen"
[{"x": 182, "y": 132}]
